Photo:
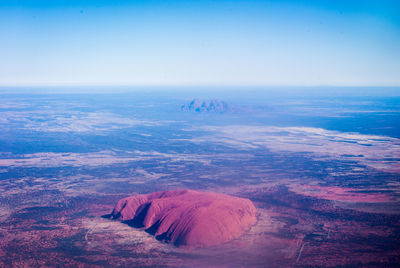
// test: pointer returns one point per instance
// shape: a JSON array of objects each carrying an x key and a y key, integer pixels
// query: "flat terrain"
[{"x": 323, "y": 173}]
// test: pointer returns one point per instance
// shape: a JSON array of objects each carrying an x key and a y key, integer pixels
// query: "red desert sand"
[{"x": 187, "y": 217}]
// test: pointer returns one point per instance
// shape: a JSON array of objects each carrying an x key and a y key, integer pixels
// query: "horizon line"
[{"x": 196, "y": 85}]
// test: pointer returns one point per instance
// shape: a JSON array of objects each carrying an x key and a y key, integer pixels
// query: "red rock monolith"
[{"x": 187, "y": 217}]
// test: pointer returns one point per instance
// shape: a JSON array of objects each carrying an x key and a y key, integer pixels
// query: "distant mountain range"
[{"x": 214, "y": 105}]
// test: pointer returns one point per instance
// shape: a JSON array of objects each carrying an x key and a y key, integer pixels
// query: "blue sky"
[{"x": 185, "y": 43}]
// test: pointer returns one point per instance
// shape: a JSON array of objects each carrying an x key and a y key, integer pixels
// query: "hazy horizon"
[{"x": 221, "y": 92}]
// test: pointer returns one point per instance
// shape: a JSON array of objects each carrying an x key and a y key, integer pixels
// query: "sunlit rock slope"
[{"x": 187, "y": 217}]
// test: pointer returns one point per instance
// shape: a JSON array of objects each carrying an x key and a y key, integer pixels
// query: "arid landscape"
[{"x": 325, "y": 187}]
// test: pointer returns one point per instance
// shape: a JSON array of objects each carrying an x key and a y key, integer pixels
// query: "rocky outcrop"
[
  {"x": 187, "y": 217},
  {"x": 216, "y": 106}
]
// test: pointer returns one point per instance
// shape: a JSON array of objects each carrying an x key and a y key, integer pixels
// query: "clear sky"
[{"x": 353, "y": 43}]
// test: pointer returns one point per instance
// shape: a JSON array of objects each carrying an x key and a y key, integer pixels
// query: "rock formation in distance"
[
  {"x": 187, "y": 217},
  {"x": 216, "y": 106}
]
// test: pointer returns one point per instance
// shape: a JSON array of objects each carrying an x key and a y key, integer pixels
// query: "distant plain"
[{"x": 322, "y": 169}]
